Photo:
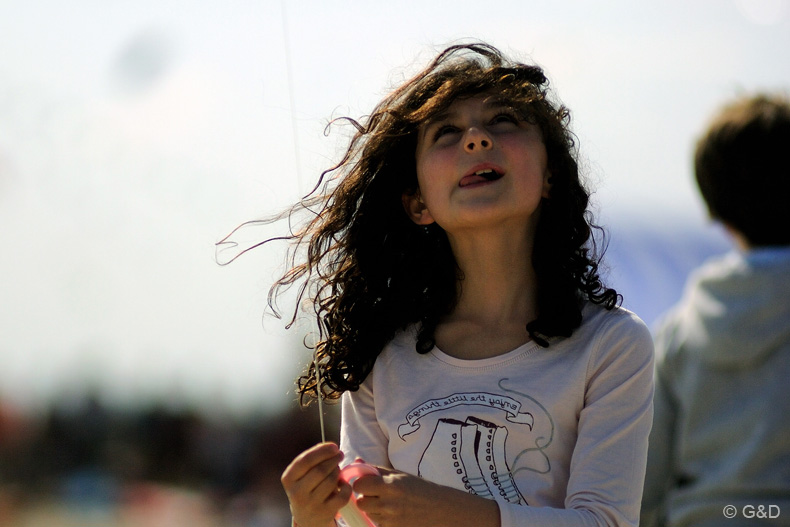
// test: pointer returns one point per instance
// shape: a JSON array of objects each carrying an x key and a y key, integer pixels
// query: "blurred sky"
[{"x": 134, "y": 135}]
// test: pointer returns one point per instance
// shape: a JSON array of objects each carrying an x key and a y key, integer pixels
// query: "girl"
[{"x": 484, "y": 368}]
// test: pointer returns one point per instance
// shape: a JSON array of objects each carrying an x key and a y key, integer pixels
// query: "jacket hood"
[{"x": 736, "y": 308}]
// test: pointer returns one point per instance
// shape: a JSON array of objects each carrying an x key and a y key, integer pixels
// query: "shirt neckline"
[{"x": 496, "y": 360}]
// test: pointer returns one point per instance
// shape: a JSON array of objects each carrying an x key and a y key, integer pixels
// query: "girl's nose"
[{"x": 476, "y": 139}]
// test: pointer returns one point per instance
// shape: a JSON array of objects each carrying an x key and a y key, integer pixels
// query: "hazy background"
[{"x": 135, "y": 135}]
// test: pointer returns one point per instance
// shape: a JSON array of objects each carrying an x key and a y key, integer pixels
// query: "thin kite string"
[
  {"x": 295, "y": 139},
  {"x": 320, "y": 396},
  {"x": 291, "y": 96}
]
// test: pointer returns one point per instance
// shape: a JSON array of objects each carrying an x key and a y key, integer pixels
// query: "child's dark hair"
[
  {"x": 743, "y": 170},
  {"x": 370, "y": 271}
]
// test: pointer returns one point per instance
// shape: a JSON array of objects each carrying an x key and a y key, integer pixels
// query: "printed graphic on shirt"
[
  {"x": 470, "y": 453},
  {"x": 508, "y": 404},
  {"x": 476, "y": 451}
]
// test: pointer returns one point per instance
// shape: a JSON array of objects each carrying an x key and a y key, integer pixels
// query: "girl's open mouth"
[{"x": 481, "y": 176}]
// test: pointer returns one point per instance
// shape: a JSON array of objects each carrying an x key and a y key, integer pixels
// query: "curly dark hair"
[{"x": 370, "y": 271}]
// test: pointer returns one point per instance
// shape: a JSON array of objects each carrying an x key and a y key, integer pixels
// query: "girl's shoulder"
[
  {"x": 616, "y": 328},
  {"x": 596, "y": 317},
  {"x": 404, "y": 341}
]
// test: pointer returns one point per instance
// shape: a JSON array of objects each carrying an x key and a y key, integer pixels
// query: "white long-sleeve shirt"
[{"x": 557, "y": 436}]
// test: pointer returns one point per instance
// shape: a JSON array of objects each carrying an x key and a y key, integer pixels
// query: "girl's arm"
[
  {"x": 313, "y": 486},
  {"x": 607, "y": 468}
]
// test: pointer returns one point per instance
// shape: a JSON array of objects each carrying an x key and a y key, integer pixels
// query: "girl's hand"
[
  {"x": 396, "y": 499},
  {"x": 313, "y": 487}
]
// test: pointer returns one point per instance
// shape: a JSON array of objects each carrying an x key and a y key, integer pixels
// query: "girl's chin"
[{"x": 488, "y": 220}]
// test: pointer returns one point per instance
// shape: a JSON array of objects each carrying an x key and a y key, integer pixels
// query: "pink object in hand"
[{"x": 350, "y": 513}]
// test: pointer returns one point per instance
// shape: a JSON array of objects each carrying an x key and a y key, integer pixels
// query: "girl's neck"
[
  {"x": 499, "y": 279},
  {"x": 496, "y": 296}
]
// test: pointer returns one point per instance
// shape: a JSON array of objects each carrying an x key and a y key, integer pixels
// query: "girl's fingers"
[
  {"x": 369, "y": 485},
  {"x": 326, "y": 488},
  {"x": 308, "y": 460},
  {"x": 370, "y": 505},
  {"x": 316, "y": 486},
  {"x": 372, "y": 485},
  {"x": 339, "y": 496},
  {"x": 313, "y": 476},
  {"x": 325, "y": 499},
  {"x": 386, "y": 471}
]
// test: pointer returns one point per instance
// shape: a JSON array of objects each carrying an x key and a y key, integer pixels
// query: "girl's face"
[{"x": 478, "y": 165}]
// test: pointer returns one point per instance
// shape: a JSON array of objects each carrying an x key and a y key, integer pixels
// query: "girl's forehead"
[{"x": 491, "y": 97}]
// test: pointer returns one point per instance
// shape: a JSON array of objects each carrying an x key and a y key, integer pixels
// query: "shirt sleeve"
[
  {"x": 607, "y": 468},
  {"x": 361, "y": 435}
]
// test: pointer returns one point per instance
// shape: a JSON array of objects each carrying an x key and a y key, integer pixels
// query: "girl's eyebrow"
[
  {"x": 497, "y": 103},
  {"x": 491, "y": 103},
  {"x": 433, "y": 121},
  {"x": 438, "y": 118}
]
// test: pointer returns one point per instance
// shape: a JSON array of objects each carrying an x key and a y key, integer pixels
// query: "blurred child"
[{"x": 719, "y": 446}]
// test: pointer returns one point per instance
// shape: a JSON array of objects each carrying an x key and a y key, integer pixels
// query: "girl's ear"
[
  {"x": 546, "y": 184},
  {"x": 415, "y": 208}
]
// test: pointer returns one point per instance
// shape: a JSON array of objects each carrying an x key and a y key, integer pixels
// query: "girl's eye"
[
  {"x": 504, "y": 118},
  {"x": 444, "y": 130}
]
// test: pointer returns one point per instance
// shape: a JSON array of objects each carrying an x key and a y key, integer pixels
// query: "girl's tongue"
[
  {"x": 479, "y": 177},
  {"x": 471, "y": 180}
]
